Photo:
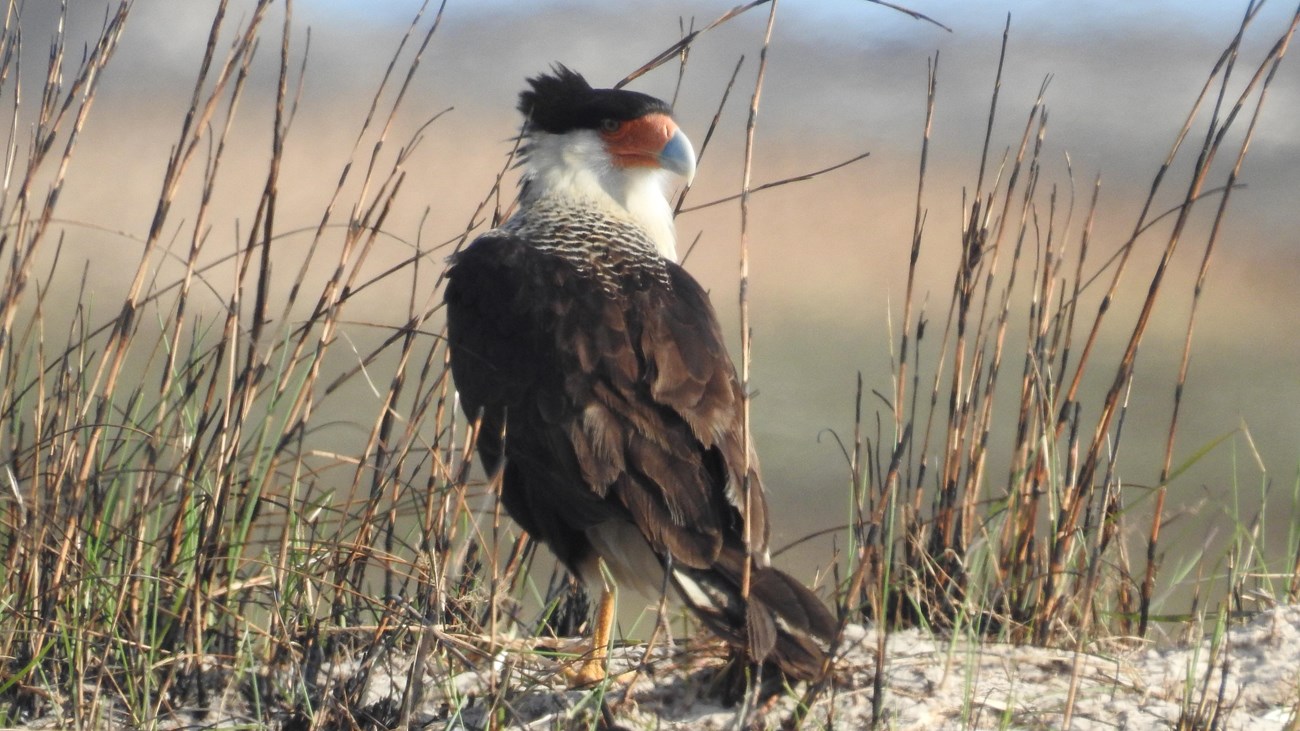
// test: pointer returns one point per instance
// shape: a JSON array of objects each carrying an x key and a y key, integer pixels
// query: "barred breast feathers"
[{"x": 614, "y": 249}]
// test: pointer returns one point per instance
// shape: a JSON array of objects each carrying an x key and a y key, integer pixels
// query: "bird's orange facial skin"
[{"x": 638, "y": 142}]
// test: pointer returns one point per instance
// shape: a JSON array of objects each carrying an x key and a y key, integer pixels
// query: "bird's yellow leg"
[{"x": 594, "y": 667}]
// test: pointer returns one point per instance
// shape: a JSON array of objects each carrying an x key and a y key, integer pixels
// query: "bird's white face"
[{"x": 622, "y": 167}]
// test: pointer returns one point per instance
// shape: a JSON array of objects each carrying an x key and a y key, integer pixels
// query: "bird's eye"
[{"x": 610, "y": 126}]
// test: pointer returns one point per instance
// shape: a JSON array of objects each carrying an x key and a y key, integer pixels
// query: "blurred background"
[{"x": 828, "y": 257}]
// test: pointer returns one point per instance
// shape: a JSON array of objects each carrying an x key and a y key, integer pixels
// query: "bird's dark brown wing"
[{"x": 617, "y": 398}]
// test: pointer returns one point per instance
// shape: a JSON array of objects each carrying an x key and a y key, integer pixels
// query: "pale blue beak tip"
[{"x": 678, "y": 156}]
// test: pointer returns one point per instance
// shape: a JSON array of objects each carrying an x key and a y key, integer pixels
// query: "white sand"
[
  {"x": 929, "y": 683},
  {"x": 933, "y": 683}
]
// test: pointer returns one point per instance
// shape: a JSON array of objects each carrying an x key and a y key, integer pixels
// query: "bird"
[{"x": 607, "y": 405}]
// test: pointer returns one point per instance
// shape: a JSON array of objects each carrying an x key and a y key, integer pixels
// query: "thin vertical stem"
[{"x": 745, "y": 331}]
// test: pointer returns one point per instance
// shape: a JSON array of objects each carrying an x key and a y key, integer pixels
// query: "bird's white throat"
[{"x": 576, "y": 167}]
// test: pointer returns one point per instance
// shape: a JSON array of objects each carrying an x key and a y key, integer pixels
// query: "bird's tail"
[{"x": 782, "y": 621}]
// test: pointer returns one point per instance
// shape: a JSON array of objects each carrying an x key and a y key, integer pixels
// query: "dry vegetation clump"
[{"x": 184, "y": 546}]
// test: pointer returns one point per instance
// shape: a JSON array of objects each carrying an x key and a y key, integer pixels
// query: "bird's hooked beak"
[
  {"x": 678, "y": 156},
  {"x": 651, "y": 141}
]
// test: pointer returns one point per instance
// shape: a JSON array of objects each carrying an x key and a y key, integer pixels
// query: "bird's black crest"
[{"x": 562, "y": 101}]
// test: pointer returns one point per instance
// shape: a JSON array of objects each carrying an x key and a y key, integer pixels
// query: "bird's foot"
[{"x": 585, "y": 674}]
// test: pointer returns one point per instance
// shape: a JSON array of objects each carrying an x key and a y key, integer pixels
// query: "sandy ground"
[
  {"x": 934, "y": 683},
  {"x": 929, "y": 682}
]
